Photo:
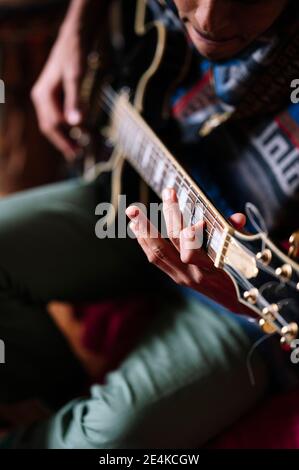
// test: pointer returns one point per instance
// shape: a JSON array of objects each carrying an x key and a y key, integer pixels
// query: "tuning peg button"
[
  {"x": 285, "y": 272},
  {"x": 289, "y": 333},
  {"x": 265, "y": 256},
  {"x": 270, "y": 312},
  {"x": 267, "y": 323},
  {"x": 251, "y": 296}
]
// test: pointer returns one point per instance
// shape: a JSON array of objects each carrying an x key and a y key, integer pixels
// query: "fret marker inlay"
[
  {"x": 146, "y": 155},
  {"x": 159, "y": 171},
  {"x": 183, "y": 198}
]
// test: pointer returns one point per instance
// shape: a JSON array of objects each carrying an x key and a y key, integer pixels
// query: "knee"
[
  {"x": 113, "y": 418},
  {"x": 101, "y": 422}
]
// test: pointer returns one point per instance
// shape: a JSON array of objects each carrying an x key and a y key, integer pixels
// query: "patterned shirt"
[{"x": 252, "y": 159}]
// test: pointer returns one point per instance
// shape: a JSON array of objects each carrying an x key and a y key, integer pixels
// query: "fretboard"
[{"x": 154, "y": 163}]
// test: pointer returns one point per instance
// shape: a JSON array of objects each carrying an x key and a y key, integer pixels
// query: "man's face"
[{"x": 221, "y": 28}]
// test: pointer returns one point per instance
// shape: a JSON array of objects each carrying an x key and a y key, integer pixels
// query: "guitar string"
[
  {"x": 247, "y": 286},
  {"x": 179, "y": 179},
  {"x": 192, "y": 212},
  {"x": 110, "y": 98}
]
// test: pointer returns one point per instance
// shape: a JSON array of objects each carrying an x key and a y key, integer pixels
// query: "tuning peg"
[
  {"x": 289, "y": 333},
  {"x": 270, "y": 312},
  {"x": 285, "y": 272},
  {"x": 267, "y": 323},
  {"x": 294, "y": 245},
  {"x": 264, "y": 256},
  {"x": 251, "y": 296}
]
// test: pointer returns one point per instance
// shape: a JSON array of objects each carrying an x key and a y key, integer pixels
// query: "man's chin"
[{"x": 219, "y": 54}]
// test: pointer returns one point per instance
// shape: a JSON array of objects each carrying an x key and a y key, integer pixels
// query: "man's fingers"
[
  {"x": 71, "y": 87},
  {"x": 52, "y": 122},
  {"x": 54, "y": 128},
  {"x": 142, "y": 225},
  {"x": 238, "y": 220},
  {"x": 72, "y": 112},
  {"x": 62, "y": 143},
  {"x": 132, "y": 212},
  {"x": 173, "y": 217},
  {"x": 158, "y": 250},
  {"x": 191, "y": 241}
]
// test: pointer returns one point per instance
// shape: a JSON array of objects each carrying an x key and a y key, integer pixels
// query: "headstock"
[{"x": 267, "y": 281}]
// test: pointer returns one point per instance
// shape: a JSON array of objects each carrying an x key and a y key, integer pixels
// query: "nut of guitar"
[
  {"x": 241, "y": 260},
  {"x": 267, "y": 327}
]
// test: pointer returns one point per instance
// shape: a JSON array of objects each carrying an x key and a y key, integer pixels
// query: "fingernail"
[
  {"x": 132, "y": 213},
  {"x": 167, "y": 194},
  {"x": 73, "y": 117}
]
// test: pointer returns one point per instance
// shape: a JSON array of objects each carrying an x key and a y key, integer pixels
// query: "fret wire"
[
  {"x": 124, "y": 135},
  {"x": 168, "y": 164},
  {"x": 182, "y": 183},
  {"x": 151, "y": 167},
  {"x": 211, "y": 233},
  {"x": 207, "y": 230},
  {"x": 209, "y": 248},
  {"x": 190, "y": 189},
  {"x": 164, "y": 172}
]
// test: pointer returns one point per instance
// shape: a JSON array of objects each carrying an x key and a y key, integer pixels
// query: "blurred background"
[{"x": 28, "y": 29}]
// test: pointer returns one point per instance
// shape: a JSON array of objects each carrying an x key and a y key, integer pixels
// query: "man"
[{"x": 188, "y": 379}]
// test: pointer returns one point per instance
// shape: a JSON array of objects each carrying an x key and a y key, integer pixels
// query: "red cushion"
[
  {"x": 113, "y": 327},
  {"x": 274, "y": 425}
]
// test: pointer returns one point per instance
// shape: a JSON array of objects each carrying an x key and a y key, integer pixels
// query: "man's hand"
[
  {"x": 182, "y": 259},
  {"x": 56, "y": 93}
]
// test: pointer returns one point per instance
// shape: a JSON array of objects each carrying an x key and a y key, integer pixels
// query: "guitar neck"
[{"x": 155, "y": 164}]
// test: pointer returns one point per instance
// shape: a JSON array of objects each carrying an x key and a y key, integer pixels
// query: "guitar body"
[
  {"x": 139, "y": 54},
  {"x": 151, "y": 59}
]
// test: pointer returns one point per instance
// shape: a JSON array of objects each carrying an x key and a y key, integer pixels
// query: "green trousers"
[{"x": 185, "y": 382}]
